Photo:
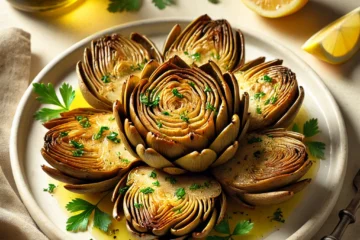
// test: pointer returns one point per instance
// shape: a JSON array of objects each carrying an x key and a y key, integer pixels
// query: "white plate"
[{"x": 319, "y": 199}]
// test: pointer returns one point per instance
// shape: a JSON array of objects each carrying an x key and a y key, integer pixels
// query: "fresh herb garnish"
[
  {"x": 145, "y": 100},
  {"x": 125, "y": 160},
  {"x": 105, "y": 78},
  {"x": 258, "y": 109},
  {"x": 241, "y": 228},
  {"x": 184, "y": 117},
  {"x": 111, "y": 118},
  {"x": 215, "y": 56},
  {"x": 310, "y": 129},
  {"x": 50, "y": 188},
  {"x": 207, "y": 89},
  {"x": 254, "y": 140},
  {"x": 176, "y": 93},
  {"x": 153, "y": 174},
  {"x": 162, "y": 4},
  {"x": 76, "y": 144},
  {"x": 278, "y": 216},
  {"x": 195, "y": 186},
  {"x": 159, "y": 124},
  {"x": 166, "y": 113},
  {"x": 138, "y": 205},
  {"x": 177, "y": 210},
  {"x": 63, "y": 134},
  {"x": 210, "y": 107},
  {"x": 80, "y": 221},
  {"x": 180, "y": 193},
  {"x": 123, "y": 189},
  {"x": 83, "y": 121},
  {"x": 113, "y": 137},
  {"x": 195, "y": 57},
  {"x": 98, "y": 135},
  {"x": 147, "y": 190},
  {"x": 78, "y": 153},
  {"x": 46, "y": 94},
  {"x": 172, "y": 180},
  {"x": 259, "y": 95},
  {"x": 156, "y": 183},
  {"x": 192, "y": 84},
  {"x": 139, "y": 66},
  {"x": 267, "y": 79},
  {"x": 271, "y": 100}
]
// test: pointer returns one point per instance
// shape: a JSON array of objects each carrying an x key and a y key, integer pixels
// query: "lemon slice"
[
  {"x": 338, "y": 41},
  {"x": 275, "y": 8}
]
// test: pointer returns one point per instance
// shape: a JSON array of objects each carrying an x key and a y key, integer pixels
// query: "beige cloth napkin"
[{"x": 15, "y": 58}]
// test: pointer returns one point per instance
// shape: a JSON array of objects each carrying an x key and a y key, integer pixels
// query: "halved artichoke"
[
  {"x": 205, "y": 39},
  {"x": 275, "y": 97},
  {"x": 266, "y": 168},
  {"x": 109, "y": 62},
  {"x": 181, "y": 118},
  {"x": 85, "y": 151},
  {"x": 159, "y": 206}
]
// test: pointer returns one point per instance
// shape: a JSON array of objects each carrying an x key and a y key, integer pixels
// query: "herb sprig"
[
  {"x": 50, "y": 188},
  {"x": 241, "y": 228}
]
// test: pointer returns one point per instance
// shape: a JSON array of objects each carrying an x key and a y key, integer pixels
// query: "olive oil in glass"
[{"x": 40, "y": 5}]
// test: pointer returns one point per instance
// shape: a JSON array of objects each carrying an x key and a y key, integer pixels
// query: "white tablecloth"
[{"x": 52, "y": 33}]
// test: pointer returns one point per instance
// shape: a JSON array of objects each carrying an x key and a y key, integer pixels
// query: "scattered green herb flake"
[
  {"x": 147, "y": 102},
  {"x": 259, "y": 95},
  {"x": 186, "y": 53},
  {"x": 210, "y": 107},
  {"x": 316, "y": 149},
  {"x": 79, "y": 118},
  {"x": 278, "y": 216},
  {"x": 192, "y": 84},
  {"x": 258, "y": 109},
  {"x": 80, "y": 221},
  {"x": 180, "y": 193},
  {"x": 270, "y": 135},
  {"x": 296, "y": 128},
  {"x": 215, "y": 56},
  {"x": 105, "y": 79},
  {"x": 196, "y": 57},
  {"x": 124, "y": 5},
  {"x": 125, "y": 160},
  {"x": 98, "y": 135},
  {"x": 184, "y": 117},
  {"x": 177, "y": 210},
  {"x": 207, "y": 184},
  {"x": 63, "y": 134},
  {"x": 195, "y": 186},
  {"x": 50, "y": 188},
  {"x": 273, "y": 99},
  {"x": 83, "y": 121},
  {"x": 254, "y": 140},
  {"x": 257, "y": 154},
  {"x": 76, "y": 144},
  {"x": 267, "y": 79},
  {"x": 138, "y": 205},
  {"x": 162, "y": 4},
  {"x": 147, "y": 190},
  {"x": 153, "y": 174},
  {"x": 111, "y": 118},
  {"x": 113, "y": 137},
  {"x": 166, "y": 113},
  {"x": 78, "y": 153},
  {"x": 311, "y": 127},
  {"x": 243, "y": 227},
  {"x": 156, "y": 183},
  {"x": 176, "y": 93},
  {"x": 123, "y": 189},
  {"x": 172, "y": 180},
  {"x": 207, "y": 89},
  {"x": 159, "y": 124}
]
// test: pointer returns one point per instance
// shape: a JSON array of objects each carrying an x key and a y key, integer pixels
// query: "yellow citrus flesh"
[
  {"x": 275, "y": 8},
  {"x": 338, "y": 41}
]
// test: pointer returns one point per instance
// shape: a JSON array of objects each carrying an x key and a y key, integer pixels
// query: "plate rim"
[{"x": 54, "y": 232}]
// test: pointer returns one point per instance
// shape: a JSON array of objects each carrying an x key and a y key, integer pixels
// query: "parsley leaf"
[
  {"x": 207, "y": 89},
  {"x": 153, "y": 174},
  {"x": 295, "y": 128},
  {"x": 311, "y": 127},
  {"x": 254, "y": 140},
  {"x": 145, "y": 100},
  {"x": 123, "y": 190},
  {"x": 316, "y": 149},
  {"x": 98, "y": 135},
  {"x": 162, "y": 4},
  {"x": 78, "y": 153},
  {"x": 184, "y": 117},
  {"x": 105, "y": 78},
  {"x": 124, "y": 5},
  {"x": 147, "y": 190},
  {"x": 176, "y": 93},
  {"x": 243, "y": 228},
  {"x": 50, "y": 188},
  {"x": 192, "y": 84},
  {"x": 278, "y": 216},
  {"x": 46, "y": 94},
  {"x": 267, "y": 78},
  {"x": 46, "y": 114},
  {"x": 156, "y": 183},
  {"x": 138, "y": 205},
  {"x": 210, "y": 107},
  {"x": 180, "y": 193},
  {"x": 223, "y": 227},
  {"x": 172, "y": 180},
  {"x": 259, "y": 95},
  {"x": 166, "y": 113},
  {"x": 76, "y": 144},
  {"x": 80, "y": 221},
  {"x": 258, "y": 109},
  {"x": 67, "y": 94},
  {"x": 113, "y": 137}
]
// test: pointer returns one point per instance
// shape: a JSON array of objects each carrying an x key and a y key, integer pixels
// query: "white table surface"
[{"x": 55, "y": 32}]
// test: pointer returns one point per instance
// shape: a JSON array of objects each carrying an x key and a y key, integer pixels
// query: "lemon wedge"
[
  {"x": 275, "y": 8},
  {"x": 338, "y": 41}
]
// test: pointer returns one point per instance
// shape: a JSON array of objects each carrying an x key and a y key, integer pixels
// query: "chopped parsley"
[
  {"x": 147, "y": 190},
  {"x": 76, "y": 144},
  {"x": 278, "y": 216},
  {"x": 147, "y": 102},
  {"x": 180, "y": 193},
  {"x": 271, "y": 100},
  {"x": 98, "y": 135},
  {"x": 176, "y": 93},
  {"x": 207, "y": 89},
  {"x": 172, "y": 180},
  {"x": 215, "y": 56},
  {"x": 177, "y": 210},
  {"x": 83, "y": 121},
  {"x": 111, "y": 118},
  {"x": 138, "y": 205},
  {"x": 50, "y": 188},
  {"x": 165, "y": 113},
  {"x": 78, "y": 153},
  {"x": 63, "y": 134},
  {"x": 195, "y": 186},
  {"x": 259, "y": 95},
  {"x": 241, "y": 228},
  {"x": 105, "y": 78},
  {"x": 210, "y": 107},
  {"x": 113, "y": 137},
  {"x": 258, "y": 109},
  {"x": 125, "y": 160},
  {"x": 267, "y": 79},
  {"x": 192, "y": 84},
  {"x": 123, "y": 189},
  {"x": 159, "y": 124},
  {"x": 156, "y": 183},
  {"x": 195, "y": 57},
  {"x": 254, "y": 140},
  {"x": 139, "y": 66},
  {"x": 184, "y": 117},
  {"x": 153, "y": 174}
]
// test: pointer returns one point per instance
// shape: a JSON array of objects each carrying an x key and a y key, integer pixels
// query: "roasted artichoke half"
[
  {"x": 275, "y": 97},
  {"x": 266, "y": 169},
  {"x": 85, "y": 151},
  {"x": 205, "y": 39},
  {"x": 109, "y": 62},
  {"x": 182, "y": 119},
  {"x": 160, "y": 206}
]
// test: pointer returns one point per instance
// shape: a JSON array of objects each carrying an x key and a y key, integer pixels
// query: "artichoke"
[
  {"x": 109, "y": 62},
  {"x": 159, "y": 206},
  {"x": 182, "y": 119},
  {"x": 84, "y": 150},
  {"x": 275, "y": 97},
  {"x": 205, "y": 39},
  {"x": 266, "y": 168}
]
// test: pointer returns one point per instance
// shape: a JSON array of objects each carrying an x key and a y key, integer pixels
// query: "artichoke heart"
[
  {"x": 84, "y": 150},
  {"x": 266, "y": 168},
  {"x": 275, "y": 97},
  {"x": 205, "y": 39},
  {"x": 109, "y": 62},
  {"x": 181, "y": 118},
  {"x": 160, "y": 206}
]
